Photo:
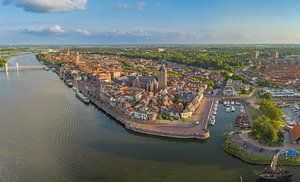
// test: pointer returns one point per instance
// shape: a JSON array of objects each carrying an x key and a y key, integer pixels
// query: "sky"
[{"x": 101, "y": 22}]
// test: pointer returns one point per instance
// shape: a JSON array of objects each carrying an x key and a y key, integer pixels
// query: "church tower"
[
  {"x": 162, "y": 78},
  {"x": 77, "y": 61}
]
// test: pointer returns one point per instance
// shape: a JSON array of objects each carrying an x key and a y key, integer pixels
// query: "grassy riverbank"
[
  {"x": 42, "y": 58},
  {"x": 3, "y": 61},
  {"x": 244, "y": 155}
]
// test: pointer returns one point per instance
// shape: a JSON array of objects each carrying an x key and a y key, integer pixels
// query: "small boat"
[
  {"x": 69, "y": 83},
  {"x": 75, "y": 89},
  {"x": 46, "y": 68},
  {"x": 275, "y": 172},
  {"x": 214, "y": 112},
  {"x": 228, "y": 109},
  {"x": 212, "y": 122},
  {"x": 232, "y": 102},
  {"x": 215, "y": 108},
  {"x": 232, "y": 108},
  {"x": 82, "y": 98},
  {"x": 237, "y": 103}
]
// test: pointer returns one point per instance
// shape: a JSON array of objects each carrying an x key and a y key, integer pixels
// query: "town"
[
  {"x": 150, "y": 93},
  {"x": 177, "y": 99}
]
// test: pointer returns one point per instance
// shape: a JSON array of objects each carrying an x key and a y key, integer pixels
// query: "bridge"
[{"x": 18, "y": 68}]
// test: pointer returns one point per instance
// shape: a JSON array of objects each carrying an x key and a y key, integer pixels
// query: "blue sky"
[{"x": 149, "y": 21}]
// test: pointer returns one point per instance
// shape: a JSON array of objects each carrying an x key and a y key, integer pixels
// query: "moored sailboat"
[{"x": 274, "y": 172}]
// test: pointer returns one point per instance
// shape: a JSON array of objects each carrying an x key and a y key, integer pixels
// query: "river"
[{"x": 47, "y": 134}]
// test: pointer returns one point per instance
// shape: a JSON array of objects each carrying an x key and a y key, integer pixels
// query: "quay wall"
[{"x": 143, "y": 128}]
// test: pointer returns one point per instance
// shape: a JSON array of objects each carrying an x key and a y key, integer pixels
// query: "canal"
[{"x": 47, "y": 134}]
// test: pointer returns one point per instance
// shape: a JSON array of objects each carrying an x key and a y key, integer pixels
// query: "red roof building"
[{"x": 295, "y": 133}]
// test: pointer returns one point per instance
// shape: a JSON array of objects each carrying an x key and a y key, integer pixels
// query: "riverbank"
[
  {"x": 4, "y": 58},
  {"x": 249, "y": 154},
  {"x": 186, "y": 130}
]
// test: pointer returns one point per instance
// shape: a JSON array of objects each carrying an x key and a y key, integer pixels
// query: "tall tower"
[
  {"x": 255, "y": 54},
  {"x": 162, "y": 78},
  {"x": 77, "y": 61}
]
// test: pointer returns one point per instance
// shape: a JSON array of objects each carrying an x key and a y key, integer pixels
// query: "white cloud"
[
  {"x": 122, "y": 6},
  {"x": 52, "y": 29},
  {"x": 83, "y": 32},
  {"x": 141, "y": 5},
  {"x": 46, "y": 6},
  {"x": 56, "y": 29}
]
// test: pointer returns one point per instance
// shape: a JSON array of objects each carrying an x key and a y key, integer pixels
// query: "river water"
[{"x": 47, "y": 134}]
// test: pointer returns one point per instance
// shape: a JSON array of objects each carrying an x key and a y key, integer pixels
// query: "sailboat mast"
[{"x": 274, "y": 164}]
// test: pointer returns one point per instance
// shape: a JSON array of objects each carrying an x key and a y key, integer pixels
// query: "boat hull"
[{"x": 275, "y": 177}]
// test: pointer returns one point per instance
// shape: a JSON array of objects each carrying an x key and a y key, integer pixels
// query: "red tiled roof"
[{"x": 295, "y": 132}]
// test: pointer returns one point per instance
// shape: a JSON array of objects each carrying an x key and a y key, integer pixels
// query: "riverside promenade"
[{"x": 185, "y": 130}]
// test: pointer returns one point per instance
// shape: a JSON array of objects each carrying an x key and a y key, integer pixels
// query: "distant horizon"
[{"x": 144, "y": 44}]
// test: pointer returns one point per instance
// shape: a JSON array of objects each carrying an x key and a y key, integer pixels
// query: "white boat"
[
  {"x": 228, "y": 109},
  {"x": 212, "y": 122},
  {"x": 232, "y": 108},
  {"x": 82, "y": 98},
  {"x": 232, "y": 102},
  {"x": 69, "y": 83},
  {"x": 75, "y": 89},
  {"x": 215, "y": 108},
  {"x": 237, "y": 103},
  {"x": 214, "y": 112}
]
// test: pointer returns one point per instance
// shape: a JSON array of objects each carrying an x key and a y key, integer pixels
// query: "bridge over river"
[{"x": 13, "y": 65}]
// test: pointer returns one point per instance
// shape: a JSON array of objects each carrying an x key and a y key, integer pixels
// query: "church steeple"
[
  {"x": 162, "y": 77},
  {"x": 77, "y": 58}
]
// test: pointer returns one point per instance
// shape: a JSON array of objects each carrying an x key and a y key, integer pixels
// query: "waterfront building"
[
  {"x": 162, "y": 78},
  {"x": 231, "y": 87},
  {"x": 295, "y": 134}
]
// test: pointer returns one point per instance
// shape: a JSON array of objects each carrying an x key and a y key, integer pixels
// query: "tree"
[
  {"x": 159, "y": 117},
  {"x": 265, "y": 130},
  {"x": 268, "y": 109},
  {"x": 267, "y": 96}
]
